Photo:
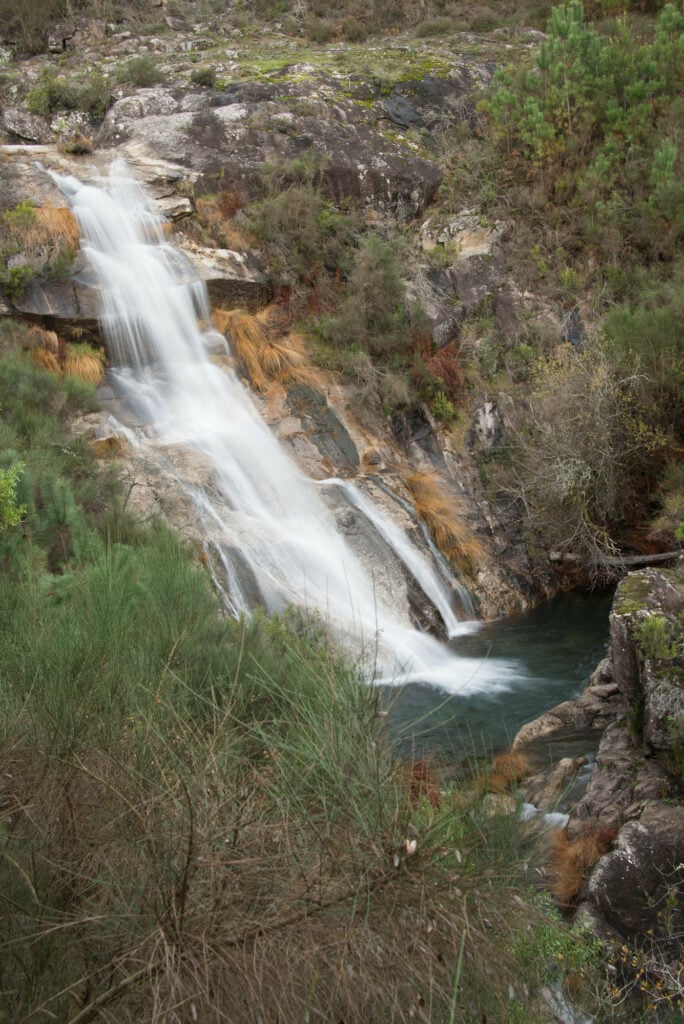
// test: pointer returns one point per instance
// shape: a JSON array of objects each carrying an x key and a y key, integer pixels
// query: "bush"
[
  {"x": 435, "y": 27},
  {"x": 582, "y": 460},
  {"x": 204, "y": 76},
  {"x": 303, "y": 235},
  {"x": 355, "y": 31},
  {"x": 54, "y": 92},
  {"x": 320, "y": 30},
  {"x": 141, "y": 72},
  {"x": 372, "y": 316}
]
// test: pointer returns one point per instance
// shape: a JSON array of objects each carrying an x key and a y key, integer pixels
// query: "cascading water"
[{"x": 261, "y": 509}]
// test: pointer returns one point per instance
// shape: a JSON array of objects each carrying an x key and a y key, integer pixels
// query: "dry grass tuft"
[
  {"x": 216, "y": 225},
  {"x": 440, "y": 510},
  {"x": 570, "y": 861},
  {"x": 42, "y": 339},
  {"x": 84, "y": 362},
  {"x": 264, "y": 357},
  {"x": 46, "y": 360},
  {"x": 507, "y": 769},
  {"x": 58, "y": 227},
  {"x": 86, "y": 368}
]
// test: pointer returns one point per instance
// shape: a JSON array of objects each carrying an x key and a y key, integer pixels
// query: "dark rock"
[
  {"x": 324, "y": 429},
  {"x": 58, "y": 35},
  {"x": 232, "y": 278},
  {"x": 611, "y": 787},
  {"x": 59, "y": 302},
  {"x": 637, "y": 888},
  {"x": 245, "y": 128},
  {"x": 402, "y": 112}
]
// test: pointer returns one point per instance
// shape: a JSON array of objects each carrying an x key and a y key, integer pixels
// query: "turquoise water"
[{"x": 554, "y": 649}]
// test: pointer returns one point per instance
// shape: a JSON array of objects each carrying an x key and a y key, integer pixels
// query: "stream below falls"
[{"x": 550, "y": 653}]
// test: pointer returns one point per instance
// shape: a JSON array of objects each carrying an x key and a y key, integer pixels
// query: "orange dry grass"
[
  {"x": 85, "y": 367},
  {"x": 44, "y": 339},
  {"x": 57, "y": 226},
  {"x": 215, "y": 217},
  {"x": 441, "y": 512},
  {"x": 265, "y": 358},
  {"x": 570, "y": 862},
  {"x": 506, "y": 769},
  {"x": 46, "y": 360}
]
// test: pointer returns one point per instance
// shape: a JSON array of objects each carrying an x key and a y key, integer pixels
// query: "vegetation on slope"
[{"x": 199, "y": 818}]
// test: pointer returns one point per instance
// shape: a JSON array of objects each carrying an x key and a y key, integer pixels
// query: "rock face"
[
  {"x": 635, "y": 700},
  {"x": 229, "y": 135}
]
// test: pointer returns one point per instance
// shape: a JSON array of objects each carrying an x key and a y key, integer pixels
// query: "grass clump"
[{"x": 264, "y": 355}]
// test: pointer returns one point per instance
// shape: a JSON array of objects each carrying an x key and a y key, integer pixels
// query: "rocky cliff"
[{"x": 631, "y": 810}]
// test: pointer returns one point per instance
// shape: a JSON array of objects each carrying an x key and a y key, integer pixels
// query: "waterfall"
[{"x": 261, "y": 515}]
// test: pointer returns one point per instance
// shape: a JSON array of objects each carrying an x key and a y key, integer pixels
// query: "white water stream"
[{"x": 259, "y": 507}]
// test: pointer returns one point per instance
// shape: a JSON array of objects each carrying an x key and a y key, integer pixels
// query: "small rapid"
[{"x": 261, "y": 513}]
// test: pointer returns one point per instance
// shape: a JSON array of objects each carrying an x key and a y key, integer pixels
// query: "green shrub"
[
  {"x": 204, "y": 76},
  {"x": 10, "y": 511},
  {"x": 373, "y": 314},
  {"x": 657, "y": 638},
  {"x": 320, "y": 30},
  {"x": 55, "y": 92},
  {"x": 16, "y": 280},
  {"x": 355, "y": 31},
  {"x": 435, "y": 27},
  {"x": 140, "y": 71},
  {"x": 304, "y": 236}
]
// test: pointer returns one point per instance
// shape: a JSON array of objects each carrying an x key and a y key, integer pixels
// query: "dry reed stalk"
[
  {"x": 41, "y": 338},
  {"x": 213, "y": 216},
  {"x": 57, "y": 225},
  {"x": 441, "y": 511}
]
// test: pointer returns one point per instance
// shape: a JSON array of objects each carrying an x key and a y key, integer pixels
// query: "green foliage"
[
  {"x": 16, "y": 280},
  {"x": 10, "y": 511},
  {"x": 593, "y": 117},
  {"x": 204, "y": 76},
  {"x": 56, "y": 92},
  {"x": 21, "y": 218},
  {"x": 304, "y": 236},
  {"x": 372, "y": 315},
  {"x": 659, "y": 638},
  {"x": 644, "y": 338},
  {"x": 140, "y": 71}
]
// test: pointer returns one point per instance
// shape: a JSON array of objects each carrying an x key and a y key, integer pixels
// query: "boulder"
[
  {"x": 637, "y": 887},
  {"x": 232, "y": 278},
  {"x": 20, "y": 124}
]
